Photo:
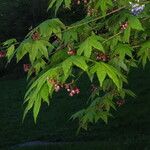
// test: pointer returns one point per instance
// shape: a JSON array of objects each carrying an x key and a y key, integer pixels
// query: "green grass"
[{"x": 129, "y": 129}]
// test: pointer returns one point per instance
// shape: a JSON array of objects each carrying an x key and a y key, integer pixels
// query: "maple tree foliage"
[{"x": 112, "y": 38}]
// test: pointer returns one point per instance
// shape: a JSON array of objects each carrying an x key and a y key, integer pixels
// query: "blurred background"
[{"x": 128, "y": 129}]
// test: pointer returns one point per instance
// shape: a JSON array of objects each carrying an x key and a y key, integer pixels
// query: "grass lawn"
[{"x": 129, "y": 129}]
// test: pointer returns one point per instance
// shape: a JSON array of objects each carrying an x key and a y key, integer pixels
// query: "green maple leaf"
[
  {"x": 135, "y": 23},
  {"x": 123, "y": 50},
  {"x": 92, "y": 42}
]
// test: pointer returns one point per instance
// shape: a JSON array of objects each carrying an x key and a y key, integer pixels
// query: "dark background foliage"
[{"x": 17, "y": 17}]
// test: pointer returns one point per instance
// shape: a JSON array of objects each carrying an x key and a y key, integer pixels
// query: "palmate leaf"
[
  {"x": 39, "y": 82},
  {"x": 70, "y": 35},
  {"x": 103, "y": 5},
  {"x": 135, "y": 23},
  {"x": 42, "y": 47},
  {"x": 125, "y": 92},
  {"x": 30, "y": 104},
  {"x": 9, "y": 42},
  {"x": 35, "y": 49},
  {"x": 10, "y": 52},
  {"x": 114, "y": 41},
  {"x": 103, "y": 115},
  {"x": 78, "y": 114},
  {"x": 115, "y": 75},
  {"x": 92, "y": 42},
  {"x": 123, "y": 50},
  {"x": 58, "y": 57},
  {"x": 108, "y": 102},
  {"x": 51, "y": 3},
  {"x": 56, "y": 25},
  {"x": 86, "y": 48},
  {"x": 66, "y": 65},
  {"x": 129, "y": 92},
  {"x": 36, "y": 107},
  {"x": 67, "y": 3},
  {"x": 122, "y": 65},
  {"x": 45, "y": 29},
  {"x": 79, "y": 61},
  {"x": 40, "y": 90},
  {"x": 23, "y": 49},
  {"x": 33, "y": 53},
  {"x": 38, "y": 65},
  {"x": 48, "y": 69},
  {"x": 51, "y": 26},
  {"x": 58, "y": 3},
  {"x": 126, "y": 35},
  {"x": 101, "y": 74},
  {"x": 144, "y": 53},
  {"x": 94, "y": 112},
  {"x": 123, "y": 2},
  {"x": 102, "y": 70},
  {"x": 48, "y": 27}
]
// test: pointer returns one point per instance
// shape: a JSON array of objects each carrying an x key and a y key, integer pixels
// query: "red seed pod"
[
  {"x": 57, "y": 88},
  {"x": 120, "y": 102},
  {"x": 71, "y": 94},
  {"x": 26, "y": 67},
  {"x": 78, "y": 2},
  {"x": 71, "y": 52},
  {"x": 124, "y": 26},
  {"x": 68, "y": 90},
  {"x": 73, "y": 91},
  {"x": 77, "y": 90},
  {"x": 2, "y": 54},
  {"x": 36, "y": 36},
  {"x": 67, "y": 86},
  {"x": 102, "y": 57},
  {"x": 85, "y": 1},
  {"x": 98, "y": 57}
]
